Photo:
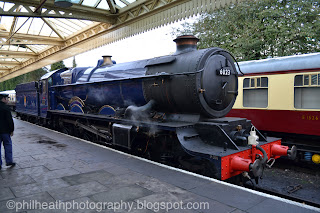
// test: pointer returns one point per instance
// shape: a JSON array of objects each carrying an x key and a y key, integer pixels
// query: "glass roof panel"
[
  {"x": 22, "y": 9},
  {"x": 26, "y": 30},
  {"x": 120, "y": 3},
  {"x": 60, "y": 27},
  {"x": 19, "y": 59},
  {"x": 36, "y": 27},
  {"x": 80, "y": 23},
  {"x": 5, "y": 47},
  {"x": 89, "y": 3},
  {"x": 15, "y": 48},
  {"x": 22, "y": 25},
  {"x": 38, "y": 48},
  {"x": 70, "y": 24},
  {"x": 75, "y": 1},
  {"x": 6, "y": 22},
  {"x": 7, "y": 6},
  {"x": 65, "y": 26},
  {"x": 103, "y": 5},
  {"x": 47, "y": 31}
]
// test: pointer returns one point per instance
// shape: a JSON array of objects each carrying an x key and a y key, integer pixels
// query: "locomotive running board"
[{"x": 209, "y": 144}]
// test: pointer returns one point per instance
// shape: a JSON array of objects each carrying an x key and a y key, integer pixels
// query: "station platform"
[{"x": 60, "y": 173}]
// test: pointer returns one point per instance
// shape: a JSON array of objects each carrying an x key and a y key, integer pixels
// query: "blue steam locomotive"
[{"x": 170, "y": 109}]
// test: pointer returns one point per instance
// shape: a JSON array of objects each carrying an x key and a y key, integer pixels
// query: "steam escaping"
[{"x": 139, "y": 113}]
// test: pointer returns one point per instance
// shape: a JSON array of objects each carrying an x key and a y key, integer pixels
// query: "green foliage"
[
  {"x": 74, "y": 63},
  {"x": 257, "y": 29},
  {"x": 28, "y": 77},
  {"x": 57, "y": 65}
]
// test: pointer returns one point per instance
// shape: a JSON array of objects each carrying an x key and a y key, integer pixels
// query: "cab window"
[
  {"x": 44, "y": 86},
  {"x": 50, "y": 82},
  {"x": 306, "y": 91},
  {"x": 255, "y": 92}
]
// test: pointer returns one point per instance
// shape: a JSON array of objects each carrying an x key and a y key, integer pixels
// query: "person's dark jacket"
[{"x": 6, "y": 121}]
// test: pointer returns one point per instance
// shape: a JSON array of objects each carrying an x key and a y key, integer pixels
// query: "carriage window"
[
  {"x": 306, "y": 96},
  {"x": 246, "y": 82},
  {"x": 258, "y": 82},
  {"x": 306, "y": 80},
  {"x": 314, "y": 79},
  {"x": 298, "y": 80},
  {"x": 264, "y": 82},
  {"x": 257, "y": 94},
  {"x": 252, "y": 82}
]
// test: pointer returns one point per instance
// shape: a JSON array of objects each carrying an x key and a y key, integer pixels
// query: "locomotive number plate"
[{"x": 224, "y": 71}]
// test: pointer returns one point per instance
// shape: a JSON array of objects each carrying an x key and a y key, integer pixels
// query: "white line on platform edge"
[{"x": 189, "y": 173}]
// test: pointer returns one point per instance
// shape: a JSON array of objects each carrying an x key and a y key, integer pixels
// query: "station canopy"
[{"x": 36, "y": 33}]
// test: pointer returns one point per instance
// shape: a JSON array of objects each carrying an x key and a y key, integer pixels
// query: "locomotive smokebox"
[
  {"x": 193, "y": 81},
  {"x": 186, "y": 43}
]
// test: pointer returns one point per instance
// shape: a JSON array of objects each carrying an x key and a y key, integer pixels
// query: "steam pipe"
[{"x": 139, "y": 112}]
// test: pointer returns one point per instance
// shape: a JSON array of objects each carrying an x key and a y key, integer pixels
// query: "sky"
[{"x": 150, "y": 44}]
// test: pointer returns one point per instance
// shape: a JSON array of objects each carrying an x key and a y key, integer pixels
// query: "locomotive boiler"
[
  {"x": 170, "y": 109},
  {"x": 189, "y": 81}
]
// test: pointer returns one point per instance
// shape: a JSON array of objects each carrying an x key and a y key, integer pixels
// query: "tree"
[
  {"x": 57, "y": 65},
  {"x": 28, "y": 77},
  {"x": 257, "y": 29},
  {"x": 74, "y": 64}
]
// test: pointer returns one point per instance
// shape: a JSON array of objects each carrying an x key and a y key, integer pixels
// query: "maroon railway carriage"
[{"x": 282, "y": 97}]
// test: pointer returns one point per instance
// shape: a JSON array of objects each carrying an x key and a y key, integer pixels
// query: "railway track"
[
  {"x": 286, "y": 196},
  {"x": 291, "y": 181}
]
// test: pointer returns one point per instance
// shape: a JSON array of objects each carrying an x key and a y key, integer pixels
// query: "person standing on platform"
[{"x": 6, "y": 130}]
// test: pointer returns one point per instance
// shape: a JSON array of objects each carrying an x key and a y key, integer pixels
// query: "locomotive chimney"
[
  {"x": 186, "y": 43},
  {"x": 107, "y": 60}
]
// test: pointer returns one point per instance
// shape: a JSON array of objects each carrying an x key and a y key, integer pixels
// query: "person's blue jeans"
[{"x": 7, "y": 143}]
